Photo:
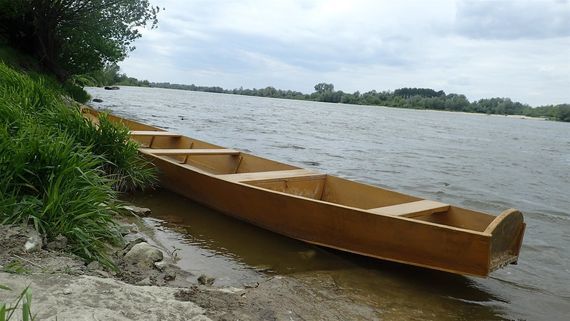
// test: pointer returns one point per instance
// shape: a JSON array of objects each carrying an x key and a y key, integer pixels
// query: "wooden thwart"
[
  {"x": 272, "y": 175},
  {"x": 412, "y": 209},
  {"x": 153, "y": 133},
  {"x": 189, "y": 152}
]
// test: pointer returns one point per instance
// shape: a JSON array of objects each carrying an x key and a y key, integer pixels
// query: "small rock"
[
  {"x": 309, "y": 254},
  {"x": 97, "y": 100},
  {"x": 132, "y": 240},
  {"x": 145, "y": 282},
  {"x": 59, "y": 243},
  {"x": 263, "y": 268},
  {"x": 139, "y": 211},
  {"x": 160, "y": 265},
  {"x": 94, "y": 265},
  {"x": 170, "y": 276},
  {"x": 186, "y": 294},
  {"x": 125, "y": 229},
  {"x": 34, "y": 242},
  {"x": 206, "y": 280},
  {"x": 67, "y": 291},
  {"x": 143, "y": 255},
  {"x": 102, "y": 274},
  {"x": 251, "y": 285}
]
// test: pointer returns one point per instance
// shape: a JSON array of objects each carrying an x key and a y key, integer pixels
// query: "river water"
[{"x": 486, "y": 163}]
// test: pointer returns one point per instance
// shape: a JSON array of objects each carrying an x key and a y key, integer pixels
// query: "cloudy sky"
[{"x": 518, "y": 49}]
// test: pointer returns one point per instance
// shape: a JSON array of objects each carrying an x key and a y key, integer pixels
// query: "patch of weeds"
[{"x": 15, "y": 267}]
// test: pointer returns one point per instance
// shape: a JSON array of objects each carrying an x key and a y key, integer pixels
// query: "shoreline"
[
  {"x": 64, "y": 287},
  {"x": 516, "y": 116}
]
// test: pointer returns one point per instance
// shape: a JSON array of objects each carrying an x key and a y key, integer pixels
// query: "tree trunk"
[{"x": 46, "y": 28}]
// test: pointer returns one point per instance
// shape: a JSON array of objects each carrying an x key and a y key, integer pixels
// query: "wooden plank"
[
  {"x": 272, "y": 175},
  {"x": 153, "y": 133},
  {"x": 189, "y": 152},
  {"x": 412, "y": 209}
]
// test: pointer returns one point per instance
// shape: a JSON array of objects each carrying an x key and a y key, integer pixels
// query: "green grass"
[
  {"x": 31, "y": 67},
  {"x": 16, "y": 59},
  {"x": 7, "y": 312},
  {"x": 58, "y": 171}
]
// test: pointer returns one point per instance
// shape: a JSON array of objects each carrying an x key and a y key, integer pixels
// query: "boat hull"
[
  {"x": 339, "y": 227},
  {"x": 459, "y": 240}
]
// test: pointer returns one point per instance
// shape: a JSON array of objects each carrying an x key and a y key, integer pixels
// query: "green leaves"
[{"x": 75, "y": 36}]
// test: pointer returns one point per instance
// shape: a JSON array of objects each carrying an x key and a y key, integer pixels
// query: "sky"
[{"x": 495, "y": 48}]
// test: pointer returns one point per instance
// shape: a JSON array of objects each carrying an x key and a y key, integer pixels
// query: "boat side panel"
[
  {"x": 251, "y": 163},
  {"x": 339, "y": 227},
  {"x": 308, "y": 187},
  {"x": 342, "y": 191},
  {"x": 461, "y": 218}
]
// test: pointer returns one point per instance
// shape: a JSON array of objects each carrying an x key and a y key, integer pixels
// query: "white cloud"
[{"x": 481, "y": 49}]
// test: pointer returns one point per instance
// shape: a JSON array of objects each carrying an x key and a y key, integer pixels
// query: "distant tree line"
[{"x": 414, "y": 98}]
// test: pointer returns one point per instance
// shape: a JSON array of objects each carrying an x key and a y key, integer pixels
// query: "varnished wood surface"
[
  {"x": 412, "y": 209},
  {"x": 192, "y": 151},
  {"x": 272, "y": 175},
  {"x": 334, "y": 212},
  {"x": 153, "y": 133}
]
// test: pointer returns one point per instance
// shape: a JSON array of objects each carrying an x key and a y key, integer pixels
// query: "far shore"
[{"x": 96, "y": 99}]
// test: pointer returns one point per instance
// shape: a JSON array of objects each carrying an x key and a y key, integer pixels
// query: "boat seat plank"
[
  {"x": 189, "y": 152},
  {"x": 153, "y": 133},
  {"x": 412, "y": 209},
  {"x": 272, "y": 175}
]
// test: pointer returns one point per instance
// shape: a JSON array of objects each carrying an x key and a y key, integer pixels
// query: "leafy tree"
[
  {"x": 563, "y": 113},
  {"x": 324, "y": 87},
  {"x": 71, "y": 37},
  {"x": 423, "y": 92}
]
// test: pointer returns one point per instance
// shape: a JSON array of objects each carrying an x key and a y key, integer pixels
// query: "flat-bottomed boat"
[{"x": 330, "y": 211}]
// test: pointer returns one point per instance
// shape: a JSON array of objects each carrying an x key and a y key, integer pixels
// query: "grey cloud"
[
  {"x": 483, "y": 49},
  {"x": 513, "y": 19}
]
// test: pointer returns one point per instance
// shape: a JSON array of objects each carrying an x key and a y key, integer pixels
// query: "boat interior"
[{"x": 235, "y": 166}]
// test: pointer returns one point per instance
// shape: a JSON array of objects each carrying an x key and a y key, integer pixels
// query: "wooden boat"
[{"x": 330, "y": 211}]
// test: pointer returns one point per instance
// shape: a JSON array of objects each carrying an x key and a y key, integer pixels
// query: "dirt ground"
[{"x": 65, "y": 288}]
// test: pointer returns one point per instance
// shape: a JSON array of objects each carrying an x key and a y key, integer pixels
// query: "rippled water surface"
[{"x": 487, "y": 163}]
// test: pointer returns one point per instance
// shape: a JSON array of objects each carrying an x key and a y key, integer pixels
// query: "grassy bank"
[
  {"x": 59, "y": 172},
  {"x": 24, "y": 63}
]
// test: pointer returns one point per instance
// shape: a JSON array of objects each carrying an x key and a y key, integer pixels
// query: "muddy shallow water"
[{"x": 486, "y": 163}]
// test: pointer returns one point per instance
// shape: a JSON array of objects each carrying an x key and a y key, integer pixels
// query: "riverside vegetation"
[{"x": 60, "y": 172}]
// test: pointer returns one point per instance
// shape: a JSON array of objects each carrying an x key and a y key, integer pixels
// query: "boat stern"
[{"x": 506, "y": 232}]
